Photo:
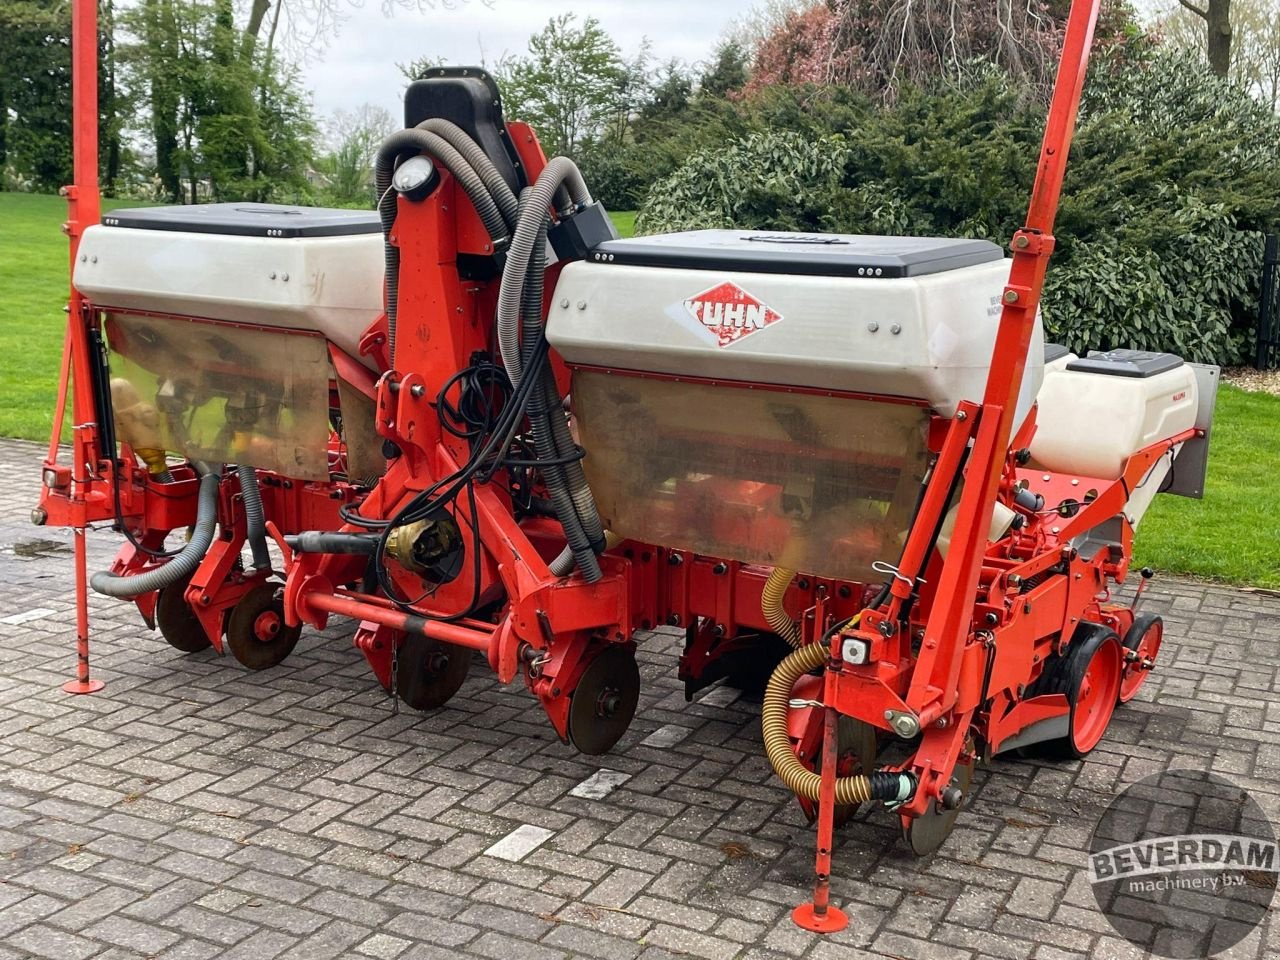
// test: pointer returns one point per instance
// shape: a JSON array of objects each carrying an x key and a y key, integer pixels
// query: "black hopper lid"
[
  {"x": 815, "y": 254},
  {"x": 248, "y": 220}
]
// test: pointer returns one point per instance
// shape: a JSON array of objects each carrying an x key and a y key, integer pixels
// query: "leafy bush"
[
  {"x": 620, "y": 174},
  {"x": 773, "y": 177},
  {"x": 1172, "y": 183}
]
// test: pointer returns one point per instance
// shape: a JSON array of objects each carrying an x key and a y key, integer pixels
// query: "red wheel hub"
[
  {"x": 1140, "y": 658},
  {"x": 1096, "y": 697},
  {"x": 266, "y": 625}
]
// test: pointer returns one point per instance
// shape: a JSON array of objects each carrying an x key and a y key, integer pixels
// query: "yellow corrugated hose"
[
  {"x": 775, "y": 589},
  {"x": 777, "y": 742}
]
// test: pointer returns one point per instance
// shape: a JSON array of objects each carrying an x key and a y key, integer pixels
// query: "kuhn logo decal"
[{"x": 723, "y": 314}]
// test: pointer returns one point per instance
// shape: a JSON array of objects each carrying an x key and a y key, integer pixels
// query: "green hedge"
[{"x": 1174, "y": 177}]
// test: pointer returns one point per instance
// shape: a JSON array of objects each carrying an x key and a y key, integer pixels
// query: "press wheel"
[
  {"x": 177, "y": 622},
  {"x": 429, "y": 672},
  {"x": 256, "y": 632},
  {"x": 1089, "y": 674},
  {"x": 604, "y": 701},
  {"x": 1141, "y": 646},
  {"x": 857, "y": 745},
  {"x": 926, "y": 833},
  {"x": 1094, "y": 685}
]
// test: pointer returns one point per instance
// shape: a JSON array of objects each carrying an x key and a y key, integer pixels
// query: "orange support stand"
[
  {"x": 820, "y": 916},
  {"x": 82, "y": 210}
]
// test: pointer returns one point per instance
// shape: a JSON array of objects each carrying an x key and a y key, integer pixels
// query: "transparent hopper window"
[
  {"x": 221, "y": 393},
  {"x": 825, "y": 485}
]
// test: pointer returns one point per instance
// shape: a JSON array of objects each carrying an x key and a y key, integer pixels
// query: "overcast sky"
[{"x": 359, "y": 65}]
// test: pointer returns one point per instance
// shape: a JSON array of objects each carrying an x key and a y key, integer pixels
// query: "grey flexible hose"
[
  {"x": 390, "y": 266},
  {"x": 474, "y": 154},
  {"x": 534, "y": 204},
  {"x": 544, "y": 408},
  {"x": 520, "y": 297},
  {"x": 181, "y": 566},
  {"x": 424, "y": 141},
  {"x": 255, "y": 519}
]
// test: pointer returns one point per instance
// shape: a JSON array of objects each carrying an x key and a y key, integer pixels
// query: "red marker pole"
[{"x": 83, "y": 209}]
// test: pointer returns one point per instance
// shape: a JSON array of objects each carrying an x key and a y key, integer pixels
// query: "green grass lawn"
[
  {"x": 33, "y": 292},
  {"x": 1233, "y": 534},
  {"x": 625, "y": 221}
]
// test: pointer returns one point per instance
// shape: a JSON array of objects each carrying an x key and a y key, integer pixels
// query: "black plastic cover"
[
  {"x": 468, "y": 97},
  {"x": 1054, "y": 351},
  {"x": 573, "y": 238},
  {"x": 1140, "y": 364},
  {"x": 248, "y": 220},
  {"x": 814, "y": 254}
]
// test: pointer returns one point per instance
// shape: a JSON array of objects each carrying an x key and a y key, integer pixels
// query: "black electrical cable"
[
  {"x": 574, "y": 457},
  {"x": 124, "y": 527},
  {"x": 349, "y": 514},
  {"x": 444, "y": 491}
]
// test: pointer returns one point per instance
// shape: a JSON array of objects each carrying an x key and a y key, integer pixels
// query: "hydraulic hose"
[
  {"x": 181, "y": 566},
  {"x": 255, "y": 520},
  {"x": 771, "y": 597},
  {"x": 863, "y": 788}
]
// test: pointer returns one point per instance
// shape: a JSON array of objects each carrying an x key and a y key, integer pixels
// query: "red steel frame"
[
  {"x": 83, "y": 209},
  {"x": 954, "y": 646}
]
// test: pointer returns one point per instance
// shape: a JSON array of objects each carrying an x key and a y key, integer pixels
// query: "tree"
[
  {"x": 221, "y": 125},
  {"x": 726, "y": 71},
  {"x": 878, "y": 46},
  {"x": 632, "y": 89},
  {"x": 670, "y": 93},
  {"x": 570, "y": 83},
  {"x": 1216, "y": 15},
  {"x": 301, "y": 27},
  {"x": 35, "y": 93},
  {"x": 353, "y": 140},
  {"x": 1255, "y": 43}
]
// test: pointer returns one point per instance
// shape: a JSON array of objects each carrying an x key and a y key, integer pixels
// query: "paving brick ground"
[{"x": 194, "y": 810}]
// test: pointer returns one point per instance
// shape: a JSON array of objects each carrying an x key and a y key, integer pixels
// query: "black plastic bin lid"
[
  {"x": 248, "y": 220},
  {"x": 1139, "y": 364},
  {"x": 1054, "y": 351},
  {"x": 814, "y": 254}
]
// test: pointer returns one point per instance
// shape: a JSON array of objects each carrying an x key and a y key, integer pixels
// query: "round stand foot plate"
[
  {"x": 82, "y": 686},
  {"x": 806, "y": 915}
]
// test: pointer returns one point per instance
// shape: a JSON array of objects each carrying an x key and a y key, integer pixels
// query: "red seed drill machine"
[{"x": 476, "y": 420}]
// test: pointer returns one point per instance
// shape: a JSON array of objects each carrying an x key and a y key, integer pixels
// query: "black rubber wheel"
[
  {"x": 177, "y": 622},
  {"x": 1088, "y": 673},
  {"x": 429, "y": 672},
  {"x": 256, "y": 632},
  {"x": 1142, "y": 642}
]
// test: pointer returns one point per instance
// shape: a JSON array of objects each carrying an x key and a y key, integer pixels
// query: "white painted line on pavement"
[
  {"x": 18, "y": 619},
  {"x": 600, "y": 784},
  {"x": 519, "y": 843},
  {"x": 666, "y": 736}
]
